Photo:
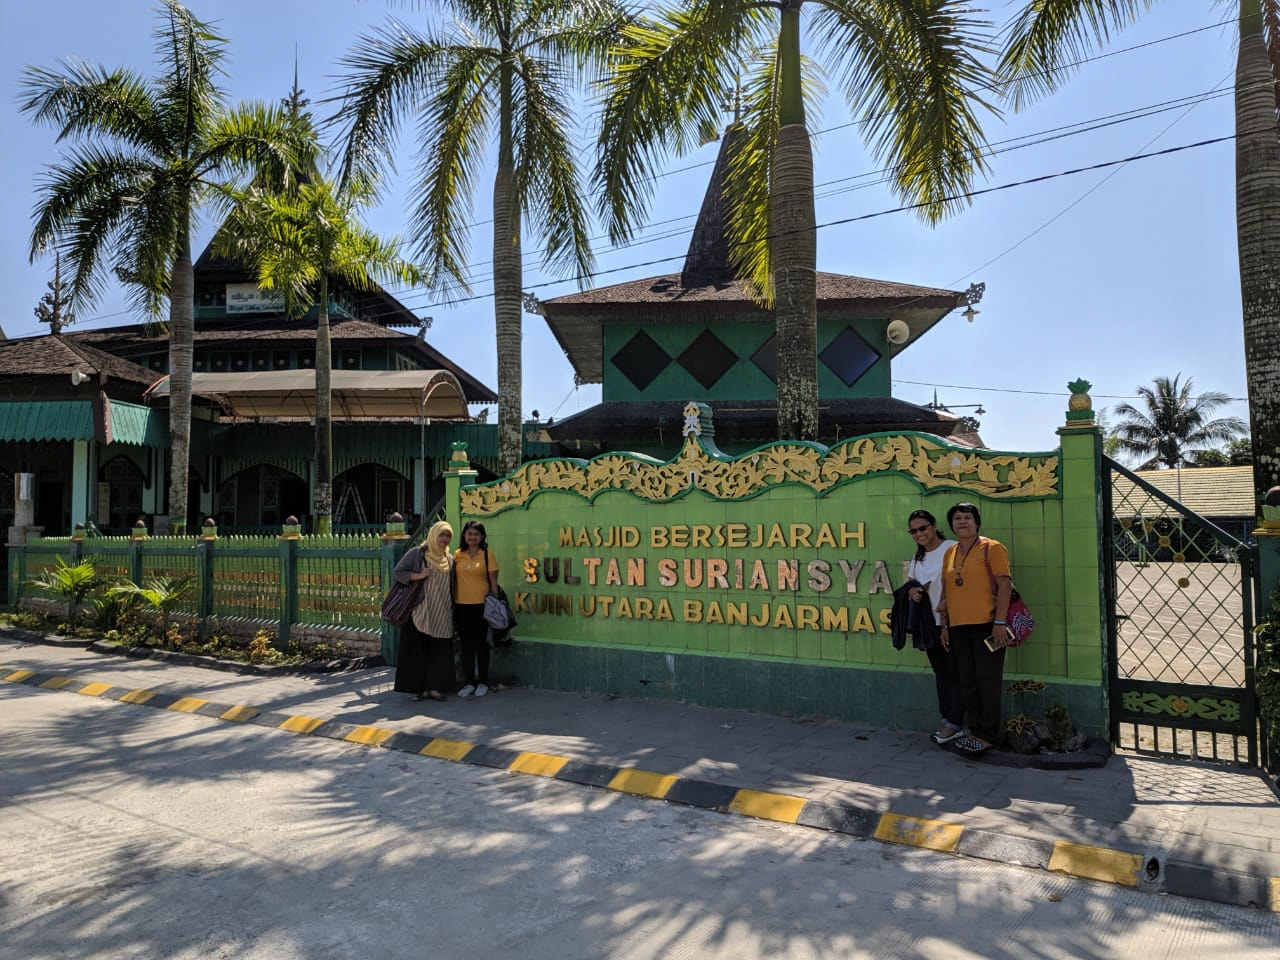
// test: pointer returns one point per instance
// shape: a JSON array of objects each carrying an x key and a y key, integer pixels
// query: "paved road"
[{"x": 129, "y": 832}]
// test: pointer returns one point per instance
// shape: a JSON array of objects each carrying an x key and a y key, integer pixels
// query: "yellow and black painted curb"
[{"x": 1125, "y": 868}]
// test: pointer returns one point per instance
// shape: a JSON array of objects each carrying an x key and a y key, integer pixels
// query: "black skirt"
[{"x": 425, "y": 663}]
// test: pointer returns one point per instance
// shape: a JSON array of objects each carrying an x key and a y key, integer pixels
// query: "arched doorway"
[
  {"x": 368, "y": 493},
  {"x": 119, "y": 502},
  {"x": 261, "y": 496}
]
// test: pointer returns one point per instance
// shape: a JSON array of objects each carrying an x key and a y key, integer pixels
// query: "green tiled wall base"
[{"x": 882, "y": 698}]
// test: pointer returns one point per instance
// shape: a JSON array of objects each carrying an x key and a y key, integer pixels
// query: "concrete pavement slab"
[{"x": 1161, "y": 825}]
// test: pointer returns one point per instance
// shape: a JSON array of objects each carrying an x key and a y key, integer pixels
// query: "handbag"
[
  {"x": 1018, "y": 621},
  {"x": 398, "y": 604},
  {"x": 497, "y": 612}
]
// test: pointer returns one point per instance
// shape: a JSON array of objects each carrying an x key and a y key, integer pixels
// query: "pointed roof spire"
[
  {"x": 707, "y": 261},
  {"x": 295, "y": 101}
]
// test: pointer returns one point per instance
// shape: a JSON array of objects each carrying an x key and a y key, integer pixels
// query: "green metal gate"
[{"x": 1180, "y": 612}]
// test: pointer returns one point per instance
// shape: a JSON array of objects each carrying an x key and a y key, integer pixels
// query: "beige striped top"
[{"x": 434, "y": 613}]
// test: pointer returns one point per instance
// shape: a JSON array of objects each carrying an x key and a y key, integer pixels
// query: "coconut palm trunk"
[
  {"x": 507, "y": 283},
  {"x": 794, "y": 227},
  {"x": 1258, "y": 239},
  {"x": 181, "y": 338},
  {"x": 322, "y": 505}
]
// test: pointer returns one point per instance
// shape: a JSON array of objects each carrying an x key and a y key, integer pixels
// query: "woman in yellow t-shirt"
[
  {"x": 476, "y": 571},
  {"x": 975, "y": 599}
]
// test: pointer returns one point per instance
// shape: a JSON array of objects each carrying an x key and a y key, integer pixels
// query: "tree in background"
[
  {"x": 148, "y": 154},
  {"x": 1240, "y": 452},
  {"x": 909, "y": 71},
  {"x": 1047, "y": 38},
  {"x": 1173, "y": 424},
  {"x": 501, "y": 68},
  {"x": 296, "y": 241},
  {"x": 1210, "y": 457},
  {"x": 1237, "y": 453}
]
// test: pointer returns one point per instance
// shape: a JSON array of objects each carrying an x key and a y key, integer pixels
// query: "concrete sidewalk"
[{"x": 1191, "y": 829}]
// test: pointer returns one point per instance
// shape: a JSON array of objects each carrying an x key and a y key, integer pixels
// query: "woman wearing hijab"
[{"x": 425, "y": 664}]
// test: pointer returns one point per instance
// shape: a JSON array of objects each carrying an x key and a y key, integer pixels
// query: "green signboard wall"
[{"x": 765, "y": 581}]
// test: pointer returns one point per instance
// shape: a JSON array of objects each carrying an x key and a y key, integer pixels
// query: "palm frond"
[
  {"x": 384, "y": 77},
  {"x": 192, "y": 56},
  {"x": 453, "y": 135},
  {"x": 294, "y": 239},
  {"x": 671, "y": 76},
  {"x": 911, "y": 72},
  {"x": 749, "y": 188},
  {"x": 1271, "y": 36},
  {"x": 255, "y": 138},
  {"x": 148, "y": 241},
  {"x": 548, "y": 177},
  {"x": 87, "y": 100},
  {"x": 81, "y": 208},
  {"x": 575, "y": 33},
  {"x": 1046, "y": 37}
]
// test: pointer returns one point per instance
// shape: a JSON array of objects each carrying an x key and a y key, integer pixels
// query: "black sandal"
[{"x": 438, "y": 697}]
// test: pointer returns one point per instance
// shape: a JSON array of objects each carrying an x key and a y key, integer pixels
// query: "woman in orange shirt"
[
  {"x": 975, "y": 599},
  {"x": 476, "y": 570}
]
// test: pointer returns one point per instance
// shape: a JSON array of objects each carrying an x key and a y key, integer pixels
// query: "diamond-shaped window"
[
  {"x": 849, "y": 356},
  {"x": 707, "y": 359},
  {"x": 641, "y": 360},
  {"x": 766, "y": 358}
]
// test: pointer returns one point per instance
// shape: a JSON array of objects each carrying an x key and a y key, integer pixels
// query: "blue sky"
[{"x": 1116, "y": 275}]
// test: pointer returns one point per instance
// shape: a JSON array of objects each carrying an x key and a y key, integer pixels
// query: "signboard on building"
[{"x": 250, "y": 298}]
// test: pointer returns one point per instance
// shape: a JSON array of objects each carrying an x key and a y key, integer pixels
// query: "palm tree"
[
  {"x": 908, "y": 69},
  {"x": 125, "y": 196},
  {"x": 1045, "y": 38},
  {"x": 504, "y": 68},
  {"x": 296, "y": 240},
  {"x": 1174, "y": 424}
]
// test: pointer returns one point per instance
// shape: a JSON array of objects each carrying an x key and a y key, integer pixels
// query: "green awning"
[
  {"x": 136, "y": 425},
  {"x": 65, "y": 420},
  {"x": 46, "y": 420}
]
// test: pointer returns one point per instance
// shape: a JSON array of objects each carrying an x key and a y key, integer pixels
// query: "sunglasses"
[{"x": 914, "y": 530}]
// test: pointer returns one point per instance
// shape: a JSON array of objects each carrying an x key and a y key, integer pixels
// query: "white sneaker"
[
  {"x": 467, "y": 691},
  {"x": 481, "y": 689}
]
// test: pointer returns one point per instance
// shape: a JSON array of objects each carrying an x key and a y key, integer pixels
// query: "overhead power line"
[
  {"x": 1001, "y": 147},
  {"x": 1036, "y": 393}
]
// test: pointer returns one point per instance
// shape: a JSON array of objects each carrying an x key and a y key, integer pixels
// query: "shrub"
[
  {"x": 73, "y": 583},
  {"x": 260, "y": 649}
]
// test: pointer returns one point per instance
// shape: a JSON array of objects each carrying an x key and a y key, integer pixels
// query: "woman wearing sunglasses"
[{"x": 926, "y": 569}]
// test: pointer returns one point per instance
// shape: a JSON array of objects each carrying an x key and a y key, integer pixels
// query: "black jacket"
[{"x": 914, "y": 618}]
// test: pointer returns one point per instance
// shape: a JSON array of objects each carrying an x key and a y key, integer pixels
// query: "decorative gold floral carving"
[{"x": 931, "y": 464}]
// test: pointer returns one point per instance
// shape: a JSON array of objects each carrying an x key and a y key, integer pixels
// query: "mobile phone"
[{"x": 991, "y": 643}]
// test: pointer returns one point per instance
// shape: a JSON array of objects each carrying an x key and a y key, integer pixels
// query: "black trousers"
[
  {"x": 946, "y": 676},
  {"x": 473, "y": 636},
  {"x": 981, "y": 678}
]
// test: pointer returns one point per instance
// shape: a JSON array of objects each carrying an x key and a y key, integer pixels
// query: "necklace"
[{"x": 963, "y": 558}]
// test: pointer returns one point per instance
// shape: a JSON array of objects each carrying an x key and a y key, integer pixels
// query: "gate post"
[
  {"x": 394, "y": 544},
  {"x": 1083, "y": 536},
  {"x": 1268, "y": 537},
  {"x": 289, "y": 536},
  {"x": 458, "y": 475}
]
